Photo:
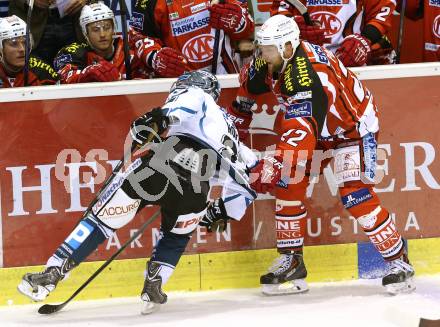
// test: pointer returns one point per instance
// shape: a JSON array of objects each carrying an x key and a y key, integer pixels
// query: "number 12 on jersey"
[{"x": 292, "y": 136}]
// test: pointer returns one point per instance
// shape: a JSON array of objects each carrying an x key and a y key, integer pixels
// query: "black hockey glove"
[
  {"x": 216, "y": 218},
  {"x": 144, "y": 128}
]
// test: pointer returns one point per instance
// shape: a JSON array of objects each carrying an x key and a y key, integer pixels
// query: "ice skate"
[
  {"x": 286, "y": 276},
  {"x": 152, "y": 295},
  {"x": 37, "y": 286},
  {"x": 399, "y": 277}
]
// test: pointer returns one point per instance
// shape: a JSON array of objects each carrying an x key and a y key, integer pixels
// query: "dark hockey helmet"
[{"x": 199, "y": 78}]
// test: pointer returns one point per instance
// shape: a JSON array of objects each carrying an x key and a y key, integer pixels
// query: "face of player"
[
  {"x": 273, "y": 58},
  {"x": 100, "y": 35},
  {"x": 14, "y": 52}
]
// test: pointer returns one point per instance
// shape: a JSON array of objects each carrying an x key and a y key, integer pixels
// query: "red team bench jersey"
[
  {"x": 432, "y": 30},
  {"x": 73, "y": 58},
  {"x": 184, "y": 26},
  {"x": 343, "y": 17},
  {"x": 429, "y": 10},
  {"x": 40, "y": 73}
]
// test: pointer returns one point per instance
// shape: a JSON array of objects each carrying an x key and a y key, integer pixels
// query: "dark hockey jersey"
[{"x": 40, "y": 73}]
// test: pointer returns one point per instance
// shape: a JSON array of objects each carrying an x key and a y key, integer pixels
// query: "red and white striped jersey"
[
  {"x": 316, "y": 90},
  {"x": 343, "y": 17}
]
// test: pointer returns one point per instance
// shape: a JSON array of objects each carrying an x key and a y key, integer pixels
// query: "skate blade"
[
  {"x": 26, "y": 289},
  {"x": 149, "y": 307},
  {"x": 291, "y": 287},
  {"x": 401, "y": 288}
]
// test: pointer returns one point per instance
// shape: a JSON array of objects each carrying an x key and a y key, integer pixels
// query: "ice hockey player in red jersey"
[
  {"x": 326, "y": 110},
  {"x": 429, "y": 10},
  {"x": 101, "y": 59},
  {"x": 180, "y": 33},
  {"x": 12, "y": 57},
  {"x": 354, "y": 29}
]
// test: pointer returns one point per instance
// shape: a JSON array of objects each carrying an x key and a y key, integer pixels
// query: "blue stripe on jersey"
[
  {"x": 230, "y": 198},
  {"x": 204, "y": 108},
  {"x": 190, "y": 111}
]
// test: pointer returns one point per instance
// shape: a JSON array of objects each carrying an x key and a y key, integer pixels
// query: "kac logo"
[
  {"x": 436, "y": 25},
  {"x": 199, "y": 48},
  {"x": 329, "y": 21}
]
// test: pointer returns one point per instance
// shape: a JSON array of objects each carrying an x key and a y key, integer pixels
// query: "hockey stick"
[
  {"x": 116, "y": 170},
  {"x": 215, "y": 49},
  {"x": 400, "y": 35},
  {"x": 302, "y": 10},
  {"x": 427, "y": 322},
  {"x": 27, "y": 50},
  {"x": 52, "y": 308},
  {"x": 107, "y": 181},
  {"x": 123, "y": 9}
]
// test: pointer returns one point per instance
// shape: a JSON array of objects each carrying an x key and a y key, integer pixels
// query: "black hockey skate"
[
  {"x": 286, "y": 276},
  {"x": 399, "y": 278},
  {"x": 152, "y": 295},
  {"x": 37, "y": 286}
]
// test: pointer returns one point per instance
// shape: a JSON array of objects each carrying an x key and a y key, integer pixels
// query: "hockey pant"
[
  {"x": 354, "y": 168},
  {"x": 182, "y": 207}
]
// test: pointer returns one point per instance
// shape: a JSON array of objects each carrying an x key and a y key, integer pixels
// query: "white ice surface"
[{"x": 355, "y": 303}]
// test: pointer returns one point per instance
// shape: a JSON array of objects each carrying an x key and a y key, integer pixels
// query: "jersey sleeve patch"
[
  {"x": 319, "y": 54},
  {"x": 137, "y": 20},
  {"x": 297, "y": 110},
  {"x": 62, "y": 60}
]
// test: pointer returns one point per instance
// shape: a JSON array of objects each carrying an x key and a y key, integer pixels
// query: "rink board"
[
  {"x": 38, "y": 210},
  {"x": 42, "y": 196},
  {"x": 212, "y": 271}
]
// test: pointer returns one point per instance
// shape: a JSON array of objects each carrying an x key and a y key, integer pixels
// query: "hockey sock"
[
  {"x": 290, "y": 225},
  {"x": 82, "y": 241},
  {"x": 364, "y": 204},
  {"x": 383, "y": 233},
  {"x": 169, "y": 248}
]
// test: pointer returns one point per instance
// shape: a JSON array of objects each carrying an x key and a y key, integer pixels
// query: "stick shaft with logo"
[
  {"x": 27, "y": 50},
  {"x": 123, "y": 9},
  {"x": 400, "y": 35},
  {"x": 215, "y": 49}
]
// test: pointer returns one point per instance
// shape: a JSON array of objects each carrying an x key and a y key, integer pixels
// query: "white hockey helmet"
[
  {"x": 11, "y": 27},
  {"x": 277, "y": 31},
  {"x": 95, "y": 12}
]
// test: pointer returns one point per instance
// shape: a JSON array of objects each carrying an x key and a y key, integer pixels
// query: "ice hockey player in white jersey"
[{"x": 200, "y": 149}]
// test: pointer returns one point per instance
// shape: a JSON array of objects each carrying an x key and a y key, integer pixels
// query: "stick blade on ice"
[{"x": 48, "y": 309}]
